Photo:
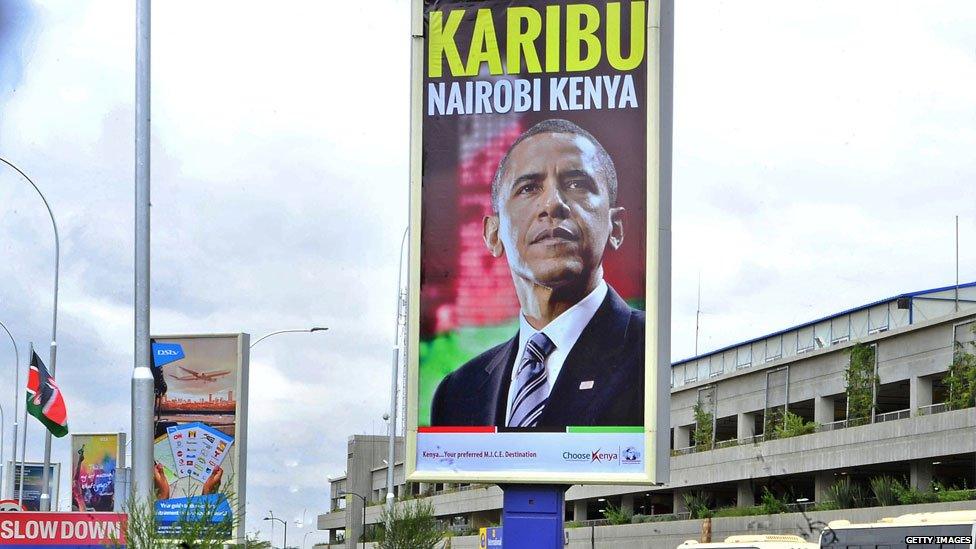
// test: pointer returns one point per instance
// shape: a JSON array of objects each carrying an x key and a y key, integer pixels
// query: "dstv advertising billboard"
[
  {"x": 200, "y": 425},
  {"x": 540, "y": 234}
]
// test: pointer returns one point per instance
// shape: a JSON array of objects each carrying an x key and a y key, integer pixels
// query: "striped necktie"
[{"x": 532, "y": 391}]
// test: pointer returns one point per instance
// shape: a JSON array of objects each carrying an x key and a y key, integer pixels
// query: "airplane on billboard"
[{"x": 207, "y": 377}]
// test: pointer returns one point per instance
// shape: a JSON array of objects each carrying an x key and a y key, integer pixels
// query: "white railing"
[
  {"x": 824, "y": 427},
  {"x": 891, "y": 416},
  {"x": 933, "y": 409},
  {"x": 833, "y": 426}
]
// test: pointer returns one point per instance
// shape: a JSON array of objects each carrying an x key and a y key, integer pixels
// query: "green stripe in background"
[{"x": 605, "y": 429}]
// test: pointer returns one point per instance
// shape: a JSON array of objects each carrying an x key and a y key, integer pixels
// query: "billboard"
[
  {"x": 33, "y": 483},
  {"x": 95, "y": 458},
  {"x": 67, "y": 530},
  {"x": 540, "y": 234},
  {"x": 200, "y": 426}
]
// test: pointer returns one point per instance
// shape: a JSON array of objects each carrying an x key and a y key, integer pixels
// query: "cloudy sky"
[{"x": 822, "y": 150}]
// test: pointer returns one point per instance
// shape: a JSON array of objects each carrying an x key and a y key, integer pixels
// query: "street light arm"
[
  {"x": 301, "y": 330},
  {"x": 57, "y": 245},
  {"x": 45, "y": 475}
]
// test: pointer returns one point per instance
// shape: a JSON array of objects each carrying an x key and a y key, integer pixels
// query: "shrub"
[
  {"x": 911, "y": 496},
  {"x": 825, "y": 506},
  {"x": 411, "y": 525},
  {"x": 847, "y": 494},
  {"x": 793, "y": 425},
  {"x": 616, "y": 515},
  {"x": 886, "y": 489},
  {"x": 956, "y": 495},
  {"x": 640, "y": 519},
  {"x": 739, "y": 511},
  {"x": 771, "y": 505},
  {"x": 207, "y": 524},
  {"x": 698, "y": 504}
]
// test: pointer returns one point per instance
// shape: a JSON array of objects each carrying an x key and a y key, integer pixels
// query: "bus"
[
  {"x": 944, "y": 529},
  {"x": 764, "y": 541}
]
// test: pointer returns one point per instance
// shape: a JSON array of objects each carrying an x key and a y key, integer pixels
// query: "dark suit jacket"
[{"x": 609, "y": 353}]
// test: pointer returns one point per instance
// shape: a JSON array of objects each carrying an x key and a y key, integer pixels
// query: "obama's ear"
[
  {"x": 616, "y": 227},
  {"x": 492, "y": 242}
]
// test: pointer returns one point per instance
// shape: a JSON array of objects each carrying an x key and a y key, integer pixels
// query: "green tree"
[
  {"x": 772, "y": 422},
  {"x": 704, "y": 428},
  {"x": 411, "y": 525},
  {"x": 962, "y": 377},
  {"x": 861, "y": 381}
]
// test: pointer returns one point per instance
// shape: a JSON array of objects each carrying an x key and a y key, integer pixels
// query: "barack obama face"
[{"x": 554, "y": 216}]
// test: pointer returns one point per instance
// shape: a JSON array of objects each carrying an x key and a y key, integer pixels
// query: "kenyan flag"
[{"x": 44, "y": 400}]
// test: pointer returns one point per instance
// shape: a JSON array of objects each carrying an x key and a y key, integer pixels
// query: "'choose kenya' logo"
[{"x": 596, "y": 456}]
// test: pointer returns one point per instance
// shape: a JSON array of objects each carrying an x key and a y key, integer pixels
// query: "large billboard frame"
[
  {"x": 659, "y": 97},
  {"x": 239, "y": 452},
  {"x": 120, "y": 465},
  {"x": 13, "y": 475}
]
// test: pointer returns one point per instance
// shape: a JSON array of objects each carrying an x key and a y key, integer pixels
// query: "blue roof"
[{"x": 829, "y": 317}]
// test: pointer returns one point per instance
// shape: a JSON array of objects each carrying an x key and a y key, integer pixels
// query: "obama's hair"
[{"x": 558, "y": 125}]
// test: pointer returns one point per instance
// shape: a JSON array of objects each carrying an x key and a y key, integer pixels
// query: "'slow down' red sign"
[{"x": 65, "y": 530}]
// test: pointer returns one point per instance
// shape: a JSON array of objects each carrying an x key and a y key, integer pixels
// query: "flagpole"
[
  {"x": 23, "y": 450},
  {"x": 13, "y": 454}
]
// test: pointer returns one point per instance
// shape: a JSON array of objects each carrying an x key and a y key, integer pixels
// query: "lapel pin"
[{"x": 584, "y": 385}]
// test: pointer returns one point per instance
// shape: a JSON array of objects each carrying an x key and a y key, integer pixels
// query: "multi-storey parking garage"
[{"x": 911, "y": 430}]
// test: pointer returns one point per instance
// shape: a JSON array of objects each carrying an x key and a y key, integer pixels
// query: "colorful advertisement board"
[
  {"x": 540, "y": 234},
  {"x": 62, "y": 530},
  {"x": 33, "y": 483},
  {"x": 200, "y": 427},
  {"x": 95, "y": 458}
]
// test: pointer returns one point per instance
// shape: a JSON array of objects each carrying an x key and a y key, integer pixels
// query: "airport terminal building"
[{"x": 744, "y": 391}]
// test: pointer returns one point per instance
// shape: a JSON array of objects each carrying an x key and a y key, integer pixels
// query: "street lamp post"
[
  {"x": 393, "y": 383},
  {"x": 13, "y": 456},
  {"x": 364, "y": 511},
  {"x": 305, "y": 538},
  {"x": 300, "y": 330},
  {"x": 143, "y": 395},
  {"x": 45, "y": 496},
  {"x": 273, "y": 519}
]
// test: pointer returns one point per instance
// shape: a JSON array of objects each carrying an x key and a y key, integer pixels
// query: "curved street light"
[
  {"x": 305, "y": 538},
  {"x": 300, "y": 330},
  {"x": 10, "y": 488},
  {"x": 273, "y": 518},
  {"x": 45, "y": 496}
]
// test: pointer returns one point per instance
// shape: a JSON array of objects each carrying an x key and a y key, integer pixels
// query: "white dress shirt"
[{"x": 563, "y": 331}]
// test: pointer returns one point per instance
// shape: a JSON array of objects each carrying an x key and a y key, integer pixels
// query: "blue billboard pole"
[{"x": 533, "y": 515}]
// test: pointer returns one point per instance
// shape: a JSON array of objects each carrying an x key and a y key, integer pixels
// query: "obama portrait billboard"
[{"x": 540, "y": 197}]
